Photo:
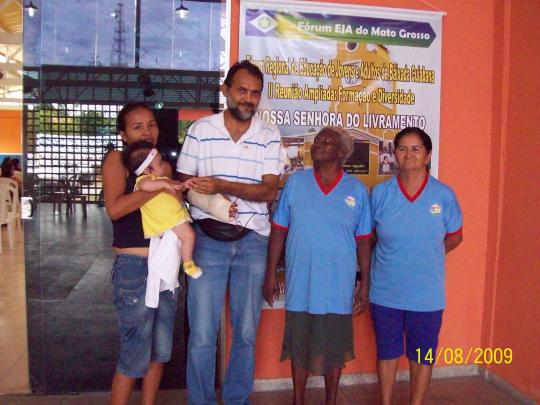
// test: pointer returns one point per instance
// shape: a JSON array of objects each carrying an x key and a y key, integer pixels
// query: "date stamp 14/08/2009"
[{"x": 459, "y": 356}]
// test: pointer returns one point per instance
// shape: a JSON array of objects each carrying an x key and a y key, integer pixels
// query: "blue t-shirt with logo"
[
  {"x": 407, "y": 270},
  {"x": 323, "y": 225}
]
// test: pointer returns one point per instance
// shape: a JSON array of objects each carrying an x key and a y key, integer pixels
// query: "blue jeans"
[
  {"x": 241, "y": 264},
  {"x": 146, "y": 334}
]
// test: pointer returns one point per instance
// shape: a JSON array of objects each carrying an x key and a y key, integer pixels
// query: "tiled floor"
[
  {"x": 450, "y": 391},
  {"x": 13, "y": 337},
  {"x": 71, "y": 316}
]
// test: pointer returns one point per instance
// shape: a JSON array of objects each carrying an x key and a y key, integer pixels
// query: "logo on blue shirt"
[{"x": 350, "y": 201}]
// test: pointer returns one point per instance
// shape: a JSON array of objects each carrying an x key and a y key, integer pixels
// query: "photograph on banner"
[
  {"x": 387, "y": 161},
  {"x": 370, "y": 70}
]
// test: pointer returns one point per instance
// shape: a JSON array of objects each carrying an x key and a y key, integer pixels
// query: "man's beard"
[{"x": 240, "y": 115}]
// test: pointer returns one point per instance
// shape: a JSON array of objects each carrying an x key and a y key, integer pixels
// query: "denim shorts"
[
  {"x": 146, "y": 334},
  {"x": 420, "y": 329}
]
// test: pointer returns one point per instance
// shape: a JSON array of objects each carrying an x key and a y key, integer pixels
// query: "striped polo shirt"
[{"x": 209, "y": 151}]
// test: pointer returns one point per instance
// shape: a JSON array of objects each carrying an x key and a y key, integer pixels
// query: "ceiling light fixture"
[
  {"x": 182, "y": 11},
  {"x": 31, "y": 8}
]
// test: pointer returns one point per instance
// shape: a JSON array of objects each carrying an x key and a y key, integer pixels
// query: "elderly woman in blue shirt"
[{"x": 323, "y": 216}]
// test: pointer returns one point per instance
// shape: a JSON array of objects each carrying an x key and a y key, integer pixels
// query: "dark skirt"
[{"x": 318, "y": 343}]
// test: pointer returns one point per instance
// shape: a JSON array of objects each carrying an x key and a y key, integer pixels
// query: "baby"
[{"x": 166, "y": 210}]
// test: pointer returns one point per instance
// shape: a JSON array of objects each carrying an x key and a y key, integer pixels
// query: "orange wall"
[
  {"x": 513, "y": 300},
  {"x": 10, "y": 131},
  {"x": 192, "y": 115},
  {"x": 465, "y": 139}
]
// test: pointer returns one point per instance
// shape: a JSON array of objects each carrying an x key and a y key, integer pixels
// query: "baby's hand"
[
  {"x": 189, "y": 183},
  {"x": 166, "y": 185},
  {"x": 183, "y": 186},
  {"x": 172, "y": 186}
]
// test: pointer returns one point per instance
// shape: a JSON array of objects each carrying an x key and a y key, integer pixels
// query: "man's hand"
[
  {"x": 233, "y": 209},
  {"x": 264, "y": 191},
  {"x": 361, "y": 297},
  {"x": 206, "y": 185}
]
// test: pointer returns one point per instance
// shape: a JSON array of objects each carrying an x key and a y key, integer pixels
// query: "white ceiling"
[{"x": 11, "y": 53}]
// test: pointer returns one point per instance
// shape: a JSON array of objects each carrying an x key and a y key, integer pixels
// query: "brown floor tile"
[{"x": 450, "y": 391}]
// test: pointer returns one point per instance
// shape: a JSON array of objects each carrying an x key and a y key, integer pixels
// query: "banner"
[{"x": 370, "y": 70}]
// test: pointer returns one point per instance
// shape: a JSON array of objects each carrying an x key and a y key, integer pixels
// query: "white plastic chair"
[
  {"x": 13, "y": 204},
  {"x": 10, "y": 182},
  {"x": 5, "y": 218}
]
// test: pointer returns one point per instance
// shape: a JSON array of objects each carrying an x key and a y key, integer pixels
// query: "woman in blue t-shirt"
[
  {"x": 323, "y": 215},
  {"x": 417, "y": 221}
]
